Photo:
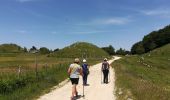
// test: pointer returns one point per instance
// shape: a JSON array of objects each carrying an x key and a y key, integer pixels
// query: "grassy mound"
[
  {"x": 145, "y": 77},
  {"x": 10, "y": 48},
  {"x": 81, "y": 50}
]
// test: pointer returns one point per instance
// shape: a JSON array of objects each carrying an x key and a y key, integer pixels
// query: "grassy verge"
[
  {"x": 27, "y": 86},
  {"x": 147, "y": 79}
]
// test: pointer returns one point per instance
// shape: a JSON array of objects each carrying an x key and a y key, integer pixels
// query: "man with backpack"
[
  {"x": 85, "y": 68},
  {"x": 105, "y": 69},
  {"x": 74, "y": 71}
]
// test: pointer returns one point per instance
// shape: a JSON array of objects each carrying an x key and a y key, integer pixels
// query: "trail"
[{"x": 95, "y": 91}]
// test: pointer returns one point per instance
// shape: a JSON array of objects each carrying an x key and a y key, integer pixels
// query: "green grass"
[
  {"x": 144, "y": 79},
  {"x": 27, "y": 86},
  {"x": 81, "y": 49}
]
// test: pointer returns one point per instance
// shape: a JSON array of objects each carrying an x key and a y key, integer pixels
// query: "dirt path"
[{"x": 95, "y": 90}]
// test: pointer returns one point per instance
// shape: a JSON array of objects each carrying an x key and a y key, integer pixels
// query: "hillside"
[
  {"x": 80, "y": 49},
  {"x": 144, "y": 77},
  {"x": 152, "y": 41},
  {"x": 10, "y": 48}
]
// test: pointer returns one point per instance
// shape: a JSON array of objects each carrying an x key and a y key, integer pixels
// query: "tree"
[
  {"x": 152, "y": 41},
  {"x": 44, "y": 50},
  {"x": 138, "y": 48},
  {"x": 33, "y": 49},
  {"x": 121, "y": 51},
  {"x": 110, "y": 50},
  {"x": 25, "y": 49},
  {"x": 55, "y": 50}
]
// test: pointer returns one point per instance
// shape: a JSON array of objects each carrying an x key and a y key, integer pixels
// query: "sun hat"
[
  {"x": 105, "y": 59},
  {"x": 76, "y": 60},
  {"x": 84, "y": 60}
]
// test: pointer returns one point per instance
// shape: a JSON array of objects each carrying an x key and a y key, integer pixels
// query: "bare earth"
[{"x": 95, "y": 91}]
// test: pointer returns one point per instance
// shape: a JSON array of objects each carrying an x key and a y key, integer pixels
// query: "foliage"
[
  {"x": 33, "y": 49},
  {"x": 138, "y": 48},
  {"x": 122, "y": 52},
  {"x": 110, "y": 49},
  {"x": 152, "y": 41},
  {"x": 10, "y": 48},
  {"x": 44, "y": 50}
]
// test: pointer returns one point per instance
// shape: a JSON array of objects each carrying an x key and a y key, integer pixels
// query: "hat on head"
[
  {"x": 105, "y": 59},
  {"x": 76, "y": 60},
  {"x": 84, "y": 60}
]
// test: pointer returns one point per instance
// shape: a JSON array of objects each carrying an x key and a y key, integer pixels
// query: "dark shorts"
[{"x": 74, "y": 80}]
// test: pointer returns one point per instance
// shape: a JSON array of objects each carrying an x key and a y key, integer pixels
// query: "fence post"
[{"x": 19, "y": 71}]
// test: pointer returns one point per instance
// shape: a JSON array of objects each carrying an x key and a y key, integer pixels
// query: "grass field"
[
  {"x": 144, "y": 77},
  {"x": 26, "y": 85}
]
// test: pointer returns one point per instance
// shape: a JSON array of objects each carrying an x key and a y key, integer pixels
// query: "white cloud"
[
  {"x": 22, "y": 31},
  {"x": 107, "y": 21},
  {"x": 113, "y": 21},
  {"x": 157, "y": 12},
  {"x": 89, "y": 32}
]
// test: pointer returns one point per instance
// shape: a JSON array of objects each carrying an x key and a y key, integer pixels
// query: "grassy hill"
[
  {"x": 81, "y": 50},
  {"x": 144, "y": 77},
  {"x": 10, "y": 48}
]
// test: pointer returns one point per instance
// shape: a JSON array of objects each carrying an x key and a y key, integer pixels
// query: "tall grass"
[
  {"x": 144, "y": 80},
  {"x": 28, "y": 86}
]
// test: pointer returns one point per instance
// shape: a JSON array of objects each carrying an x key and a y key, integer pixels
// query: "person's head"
[
  {"x": 105, "y": 59},
  {"x": 84, "y": 61},
  {"x": 76, "y": 60}
]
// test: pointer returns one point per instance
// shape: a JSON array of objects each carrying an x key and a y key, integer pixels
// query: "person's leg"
[
  {"x": 105, "y": 76},
  {"x": 73, "y": 90},
  {"x": 76, "y": 82},
  {"x": 107, "y": 72},
  {"x": 86, "y": 78},
  {"x": 83, "y": 78}
]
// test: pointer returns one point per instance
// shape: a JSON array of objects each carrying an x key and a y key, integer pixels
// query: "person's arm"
[
  {"x": 81, "y": 71},
  {"x": 109, "y": 66},
  {"x": 69, "y": 71},
  {"x": 102, "y": 67}
]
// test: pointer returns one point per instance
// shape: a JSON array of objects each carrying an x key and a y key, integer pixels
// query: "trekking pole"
[
  {"x": 83, "y": 90},
  {"x": 101, "y": 76},
  {"x": 109, "y": 76}
]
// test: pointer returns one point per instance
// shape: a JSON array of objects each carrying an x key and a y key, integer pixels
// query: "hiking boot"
[
  {"x": 76, "y": 94},
  {"x": 72, "y": 98}
]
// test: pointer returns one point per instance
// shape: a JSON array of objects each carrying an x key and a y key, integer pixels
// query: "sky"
[{"x": 59, "y": 23}]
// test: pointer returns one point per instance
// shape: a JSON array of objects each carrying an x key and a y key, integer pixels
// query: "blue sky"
[{"x": 59, "y": 23}]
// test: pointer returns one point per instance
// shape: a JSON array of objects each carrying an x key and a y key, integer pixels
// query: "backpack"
[
  {"x": 85, "y": 69},
  {"x": 105, "y": 66}
]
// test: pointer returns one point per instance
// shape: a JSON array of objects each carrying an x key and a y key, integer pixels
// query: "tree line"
[
  {"x": 152, "y": 41},
  {"x": 111, "y": 51}
]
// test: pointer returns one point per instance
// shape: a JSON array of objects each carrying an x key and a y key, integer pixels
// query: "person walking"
[
  {"x": 74, "y": 71},
  {"x": 85, "y": 68},
  {"x": 105, "y": 69}
]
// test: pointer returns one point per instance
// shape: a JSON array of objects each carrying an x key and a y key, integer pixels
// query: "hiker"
[
  {"x": 105, "y": 70},
  {"x": 74, "y": 71},
  {"x": 85, "y": 68}
]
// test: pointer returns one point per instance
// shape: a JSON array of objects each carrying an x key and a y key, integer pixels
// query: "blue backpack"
[{"x": 85, "y": 69}]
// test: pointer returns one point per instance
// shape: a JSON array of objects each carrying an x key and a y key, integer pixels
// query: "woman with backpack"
[
  {"x": 85, "y": 68},
  {"x": 105, "y": 69}
]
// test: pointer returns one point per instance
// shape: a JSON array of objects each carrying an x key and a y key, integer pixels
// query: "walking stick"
[
  {"x": 101, "y": 76},
  {"x": 83, "y": 90},
  {"x": 109, "y": 76}
]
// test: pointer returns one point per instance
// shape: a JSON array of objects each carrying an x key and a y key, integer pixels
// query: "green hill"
[
  {"x": 81, "y": 50},
  {"x": 10, "y": 48},
  {"x": 152, "y": 41},
  {"x": 144, "y": 77}
]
